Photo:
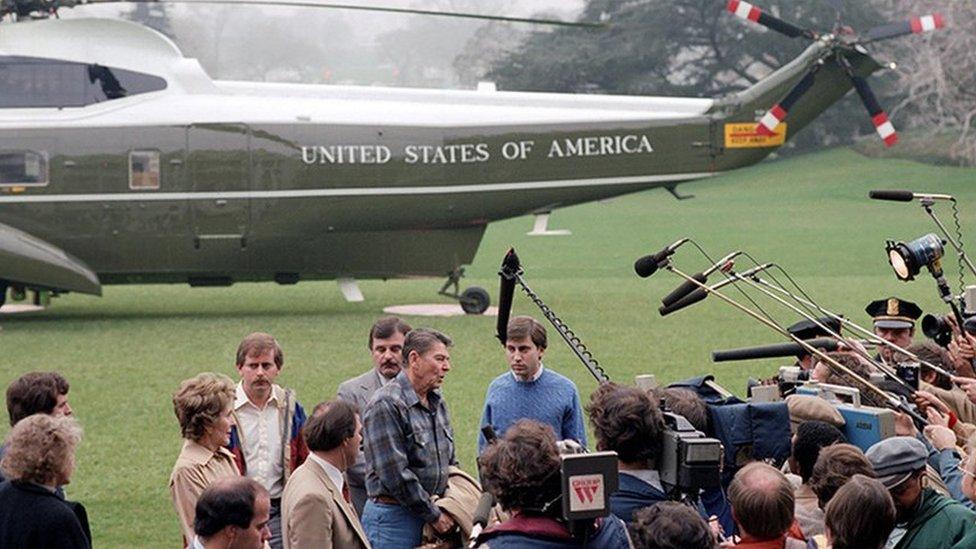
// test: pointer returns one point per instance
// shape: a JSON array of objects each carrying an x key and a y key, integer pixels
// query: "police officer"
[{"x": 894, "y": 321}]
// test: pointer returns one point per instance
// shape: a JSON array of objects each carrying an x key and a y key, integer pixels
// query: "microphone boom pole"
[{"x": 890, "y": 400}]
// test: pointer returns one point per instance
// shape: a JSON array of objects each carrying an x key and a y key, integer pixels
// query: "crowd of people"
[{"x": 376, "y": 465}]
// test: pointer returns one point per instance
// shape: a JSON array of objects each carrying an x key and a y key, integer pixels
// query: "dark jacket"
[
  {"x": 545, "y": 533},
  {"x": 939, "y": 522},
  {"x": 32, "y": 516},
  {"x": 631, "y": 495}
]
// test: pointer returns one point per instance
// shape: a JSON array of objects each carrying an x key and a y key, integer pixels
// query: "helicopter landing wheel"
[{"x": 475, "y": 300}]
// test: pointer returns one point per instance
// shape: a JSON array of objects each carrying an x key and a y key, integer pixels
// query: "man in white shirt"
[
  {"x": 266, "y": 440},
  {"x": 316, "y": 510}
]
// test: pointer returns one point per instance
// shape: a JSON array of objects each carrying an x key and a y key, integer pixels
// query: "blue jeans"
[{"x": 391, "y": 526}]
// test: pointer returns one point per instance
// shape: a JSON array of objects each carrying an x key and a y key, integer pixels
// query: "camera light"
[{"x": 908, "y": 259}]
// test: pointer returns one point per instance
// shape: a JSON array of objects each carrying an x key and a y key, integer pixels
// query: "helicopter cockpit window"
[
  {"x": 144, "y": 170},
  {"x": 23, "y": 168},
  {"x": 30, "y": 82}
]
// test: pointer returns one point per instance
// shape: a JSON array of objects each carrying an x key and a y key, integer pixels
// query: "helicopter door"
[{"x": 219, "y": 170}]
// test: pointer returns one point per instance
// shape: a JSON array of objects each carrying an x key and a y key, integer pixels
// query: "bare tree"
[{"x": 937, "y": 76}]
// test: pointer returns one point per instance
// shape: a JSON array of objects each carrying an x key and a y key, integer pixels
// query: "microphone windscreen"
[
  {"x": 895, "y": 196},
  {"x": 774, "y": 350},
  {"x": 646, "y": 266},
  {"x": 483, "y": 511},
  {"x": 695, "y": 296},
  {"x": 686, "y": 288},
  {"x": 506, "y": 292}
]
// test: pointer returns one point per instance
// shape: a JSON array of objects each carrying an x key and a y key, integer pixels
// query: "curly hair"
[
  {"x": 522, "y": 470},
  {"x": 41, "y": 448},
  {"x": 199, "y": 402},
  {"x": 669, "y": 525},
  {"x": 625, "y": 420}
]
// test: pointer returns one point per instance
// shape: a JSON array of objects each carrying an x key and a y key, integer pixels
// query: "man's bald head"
[{"x": 762, "y": 501}]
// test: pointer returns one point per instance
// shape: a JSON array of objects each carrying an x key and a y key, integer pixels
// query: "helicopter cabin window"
[
  {"x": 23, "y": 168},
  {"x": 30, "y": 82},
  {"x": 144, "y": 170}
]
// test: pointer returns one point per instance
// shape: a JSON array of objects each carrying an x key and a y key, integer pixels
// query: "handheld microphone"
[
  {"x": 686, "y": 287},
  {"x": 700, "y": 293},
  {"x": 906, "y": 196},
  {"x": 481, "y": 515},
  {"x": 649, "y": 264},
  {"x": 510, "y": 267},
  {"x": 825, "y": 344}
]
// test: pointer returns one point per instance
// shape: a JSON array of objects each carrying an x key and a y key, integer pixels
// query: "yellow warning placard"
[{"x": 743, "y": 135}]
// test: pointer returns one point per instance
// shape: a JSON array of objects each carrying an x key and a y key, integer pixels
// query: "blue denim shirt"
[{"x": 408, "y": 447}]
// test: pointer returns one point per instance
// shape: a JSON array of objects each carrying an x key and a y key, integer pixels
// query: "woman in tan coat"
[{"x": 204, "y": 407}]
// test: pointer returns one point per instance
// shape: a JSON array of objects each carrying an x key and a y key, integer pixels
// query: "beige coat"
[{"x": 315, "y": 515}]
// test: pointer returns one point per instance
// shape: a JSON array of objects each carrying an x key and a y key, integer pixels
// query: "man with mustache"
[
  {"x": 266, "y": 439},
  {"x": 385, "y": 345}
]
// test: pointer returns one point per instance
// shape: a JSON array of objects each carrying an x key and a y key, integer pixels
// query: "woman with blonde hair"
[
  {"x": 40, "y": 457},
  {"x": 204, "y": 408}
]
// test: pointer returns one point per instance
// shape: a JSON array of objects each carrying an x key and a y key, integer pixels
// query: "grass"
[{"x": 126, "y": 352}]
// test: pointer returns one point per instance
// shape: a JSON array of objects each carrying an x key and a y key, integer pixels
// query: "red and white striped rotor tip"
[
  {"x": 744, "y": 10},
  {"x": 770, "y": 121},
  {"x": 927, "y": 23},
  {"x": 885, "y": 129}
]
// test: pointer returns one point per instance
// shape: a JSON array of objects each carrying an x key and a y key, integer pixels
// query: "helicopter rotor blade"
[
  {"x": 749, "y": 12},
  {"x": 356, "y": 7},
  {"x": 770, "y": 121},
  {"x": 915, "y": 25}
]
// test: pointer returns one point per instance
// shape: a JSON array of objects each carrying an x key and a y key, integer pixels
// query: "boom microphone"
[
  {"x": 825, "y": 344},
  {"x": 648, "y": 265},
  {"x": 700, "y": 293},
  {"x": 688, "y": 286},
  {"x": 906, "y": 196},
  {"x": 510, "y": 268}
]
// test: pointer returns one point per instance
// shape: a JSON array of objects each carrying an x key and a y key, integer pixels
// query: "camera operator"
[
  {"x": 522, "y": 471},
  {"x": 692, "y": 407},
  {"x": 807, "y": 329},
  {"x": 625, "y": 420}
]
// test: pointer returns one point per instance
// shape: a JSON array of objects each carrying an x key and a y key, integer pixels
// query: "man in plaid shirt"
[{"x": 409, "y": 446}]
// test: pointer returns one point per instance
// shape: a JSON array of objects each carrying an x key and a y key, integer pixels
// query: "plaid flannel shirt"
[{"x": 408, "y": 447}]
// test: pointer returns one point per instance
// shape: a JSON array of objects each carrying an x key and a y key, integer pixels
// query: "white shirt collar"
[
  {"x": 648, "y": 476},
  {"x": 241, "y": 398},
  {"x": 537, "y": 375},
  {"x": 196, "y": 544},
  {"x": 335, "y": 475}
]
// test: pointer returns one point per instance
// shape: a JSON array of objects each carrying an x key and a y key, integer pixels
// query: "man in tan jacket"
[{"x": 315, "y": 508}]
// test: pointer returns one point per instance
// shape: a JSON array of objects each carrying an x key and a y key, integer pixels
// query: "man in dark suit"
[{"x": 385, "y": 345}]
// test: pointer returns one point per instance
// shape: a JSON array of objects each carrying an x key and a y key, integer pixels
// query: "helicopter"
[{"x": 122, "y": 161}]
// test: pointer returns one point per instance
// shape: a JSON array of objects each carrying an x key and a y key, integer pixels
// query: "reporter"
[
  {"x": 670, "y": 525},
  {"x": 625, "y": 420},
  {"x": 522, "y": 472},
  {"x": 860, "y": 515},
  {"x": 40, "y": 457}
]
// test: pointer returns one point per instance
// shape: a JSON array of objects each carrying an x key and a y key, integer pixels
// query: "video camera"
[{"x": 690, "y": 461}]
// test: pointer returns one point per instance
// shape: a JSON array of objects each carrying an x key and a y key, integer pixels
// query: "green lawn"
[{"x": 126, "y": 352}]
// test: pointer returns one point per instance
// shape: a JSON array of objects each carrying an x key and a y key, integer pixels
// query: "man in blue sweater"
[{"x": 530, "y": 391}]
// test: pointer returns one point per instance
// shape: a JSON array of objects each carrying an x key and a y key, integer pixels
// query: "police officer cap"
[
  {"x": 895, "y": 459},
  {"x": 893, "y": 313},
  {"x": 807, "y": 329}
]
